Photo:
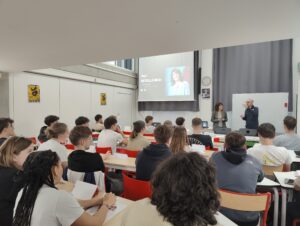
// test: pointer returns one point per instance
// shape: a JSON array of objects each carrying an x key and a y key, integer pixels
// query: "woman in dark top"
[
  {"x": 80, "y": 160},
  {"x": 219, "y": 116},
  {"x": 13, "y": 154}
]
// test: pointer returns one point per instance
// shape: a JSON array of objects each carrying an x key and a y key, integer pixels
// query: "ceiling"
[{"x": 36, "y": 34}]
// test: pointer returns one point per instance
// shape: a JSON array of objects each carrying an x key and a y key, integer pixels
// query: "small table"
[
  {"x": 281, "y": 176},
  {"x": 120, "y": 163},
  {"x": 267, "y": 183}
]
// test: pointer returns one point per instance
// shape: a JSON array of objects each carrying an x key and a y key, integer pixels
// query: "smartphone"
[{"x": 289, "y": 181}]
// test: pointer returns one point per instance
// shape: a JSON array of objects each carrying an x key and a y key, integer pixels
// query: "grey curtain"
[{"x": 255, "y": 68}]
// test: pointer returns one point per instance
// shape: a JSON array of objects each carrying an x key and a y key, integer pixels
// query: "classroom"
[{"x": 150, "y": 113}]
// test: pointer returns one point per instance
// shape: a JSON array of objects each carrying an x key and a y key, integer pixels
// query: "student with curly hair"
[
  {"x": 41, "y": 203},
  {"x": 184, "y": 194}
]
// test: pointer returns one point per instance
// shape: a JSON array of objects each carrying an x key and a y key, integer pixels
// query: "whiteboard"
[{"x": 273, "y": 107}]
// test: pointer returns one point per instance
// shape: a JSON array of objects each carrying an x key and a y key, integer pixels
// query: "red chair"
[
  {"x": 33, "y": 140},
  {"x": 70, "y": 146},
  {"x": 296, "y": 221},
  {"x": 148, "y": 134},
  {"x": 127, "y": 133},
  {"x": 247, "y": 202},
  {"x": 103, "y": 150},
  {"x": 95, "y": 136},
  {"x": 130, "y": 153},
  {"x": 217, "y": 139},
  {"x": 136, "y": 189}
]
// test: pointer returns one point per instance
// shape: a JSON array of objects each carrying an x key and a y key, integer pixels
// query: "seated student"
[
  {"x": 266, "y": 152},
  {"x": 168, "y": 123},
  {"x": 57, "y": 134},
  {"x": 197, "y": 137},
  {"x": 237, "y": 172},
  {"x": 41, "y": 203},
  {"x": 49, "y": 121},
  {"x": 136, "y": 140},
  {"x": 180, "y": 121},
  {"x": 13, "y": 154},
  {"x": 292, "y": 209},
  {"x": 98, "y": 126},
  {"x": 179, "y": 141},
  {"x": 149, "y": 127},
  {"x": 79, "y": 160},
  {"x": 6, "y": 129},
  {"x": 196, "y": 204},
  {"x": 112, "y": 135},
  {"x": 151, "y": 156},
  {"x": 82, "y": 121},
  {"x": 290, "y": 140}
]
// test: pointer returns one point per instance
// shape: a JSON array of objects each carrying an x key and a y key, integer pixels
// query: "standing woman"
[
  {"x": 41, "y": 203},
  {"x": 179, "y": 141},
  {"x": 219, "y": 116},
  {"x": 13, "y": 154}
]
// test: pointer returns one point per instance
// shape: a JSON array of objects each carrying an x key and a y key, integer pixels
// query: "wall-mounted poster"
[
  {"x": 103, "y": 98},
  {"x": 34, "y": 94},
  {"x": 206, "y": 93}
]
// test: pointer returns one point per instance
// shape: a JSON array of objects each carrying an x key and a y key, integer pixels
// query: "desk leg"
[
  {"x": 276, "y": 203},
  {"x": 283, "y": 206}
]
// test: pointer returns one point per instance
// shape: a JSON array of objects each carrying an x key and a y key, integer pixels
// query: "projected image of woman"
[{"x": 179, "y": 87}]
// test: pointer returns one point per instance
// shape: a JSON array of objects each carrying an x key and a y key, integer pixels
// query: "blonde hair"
[
  {"x": 12, "y": 146},
  {"x": 179, "y": 140},
  {"x": 56, "y": 129}
]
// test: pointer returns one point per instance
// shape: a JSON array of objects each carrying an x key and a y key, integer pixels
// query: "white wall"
[
  {"x": 205, "y": 105},
  {"x": 66, "y": 98}
]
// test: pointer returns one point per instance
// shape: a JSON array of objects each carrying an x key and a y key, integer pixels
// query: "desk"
[
  {"x": 267, "y": 183},
  {"x": 221, "y": 219},
  {"x": 118, "y": 163},
  {"x": 129, "y": 163},
  {"x": 150, "y": 138},
  {"x": 281, "y": 176}
]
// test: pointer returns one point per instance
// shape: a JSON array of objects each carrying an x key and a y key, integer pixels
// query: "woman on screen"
[
  {"x": 219, "y": 116},
  {"x": 179, "y": 87}
]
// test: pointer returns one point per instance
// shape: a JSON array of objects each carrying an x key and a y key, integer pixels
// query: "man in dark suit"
[{"x": 251, "y": 115}]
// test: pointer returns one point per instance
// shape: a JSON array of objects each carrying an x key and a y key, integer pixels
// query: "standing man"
[{"x": 251, "y": 115}]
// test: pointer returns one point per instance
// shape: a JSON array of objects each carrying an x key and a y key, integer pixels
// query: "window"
[{"x": 126, "y": 63}]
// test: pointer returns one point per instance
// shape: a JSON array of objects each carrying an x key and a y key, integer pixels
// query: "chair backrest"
[
  {"x": 98, "y": 178},
  {"x": 127, "y": 132},
  {"x": 33, "y": 140},
  {"x": 70, "y": 146},
  {"x": 246, "y": 202},
  {"x": 129, "y": 153},
  {"x": 269, "y": 170},
  {"x": 103, "y": 150},
  {"x": 95, "y": 135},
  {"x": 136, "y": 189},
  {"x": 148, "y": 134}
]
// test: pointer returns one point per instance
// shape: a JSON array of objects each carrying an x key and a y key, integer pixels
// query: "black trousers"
[
  {"x": 251, "y": 223},
  {"x": 293, "y": 209}
]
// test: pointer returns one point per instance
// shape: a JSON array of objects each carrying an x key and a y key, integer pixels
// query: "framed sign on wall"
[{"x": 34, "y": 93}]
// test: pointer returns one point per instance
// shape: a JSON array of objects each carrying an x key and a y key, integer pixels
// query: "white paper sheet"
[{"x": 84, "y": 190}]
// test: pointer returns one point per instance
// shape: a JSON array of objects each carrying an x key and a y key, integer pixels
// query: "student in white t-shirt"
[
  {"x": 267, "y": 153},
  {"x": 57, "y": 134},
  {"x": 112, "y": 135},
  {"x": 41, "y": 203},
  {"x": 290, "y": 139}
]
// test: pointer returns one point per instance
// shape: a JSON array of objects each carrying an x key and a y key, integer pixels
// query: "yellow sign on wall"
[
  {"x": 34, "y": 95},
  {"x": 103, "y": 98}
]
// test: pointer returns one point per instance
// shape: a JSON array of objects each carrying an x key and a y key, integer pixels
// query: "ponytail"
[
  {"x": 37, "y": 172},
  {"x": 138, "y": 126},
  {"x": 55, "y": 130}
]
